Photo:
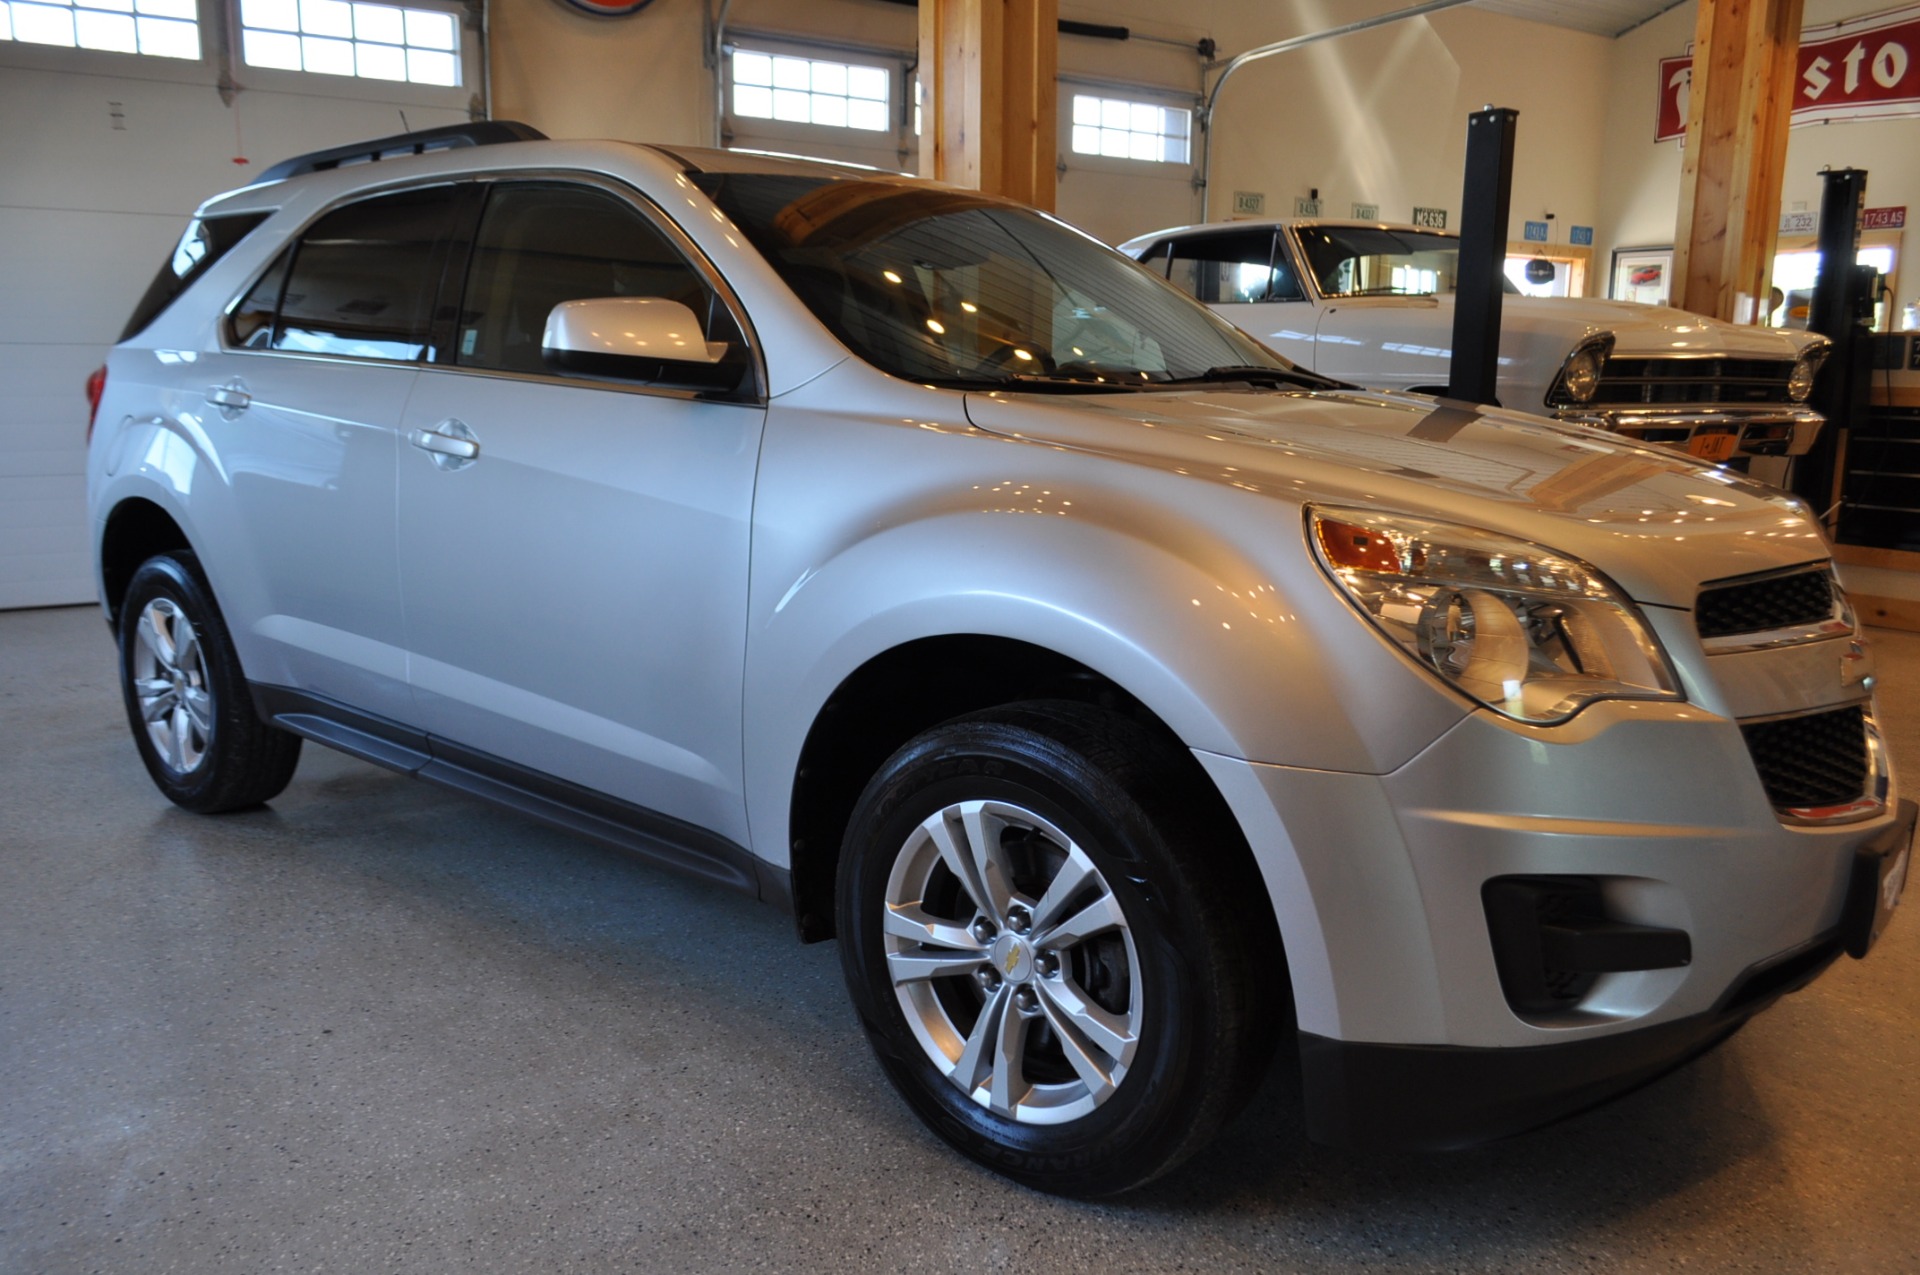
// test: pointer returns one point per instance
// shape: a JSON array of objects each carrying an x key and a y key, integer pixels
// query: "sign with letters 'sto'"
[{"x": 1862, "y": 68}]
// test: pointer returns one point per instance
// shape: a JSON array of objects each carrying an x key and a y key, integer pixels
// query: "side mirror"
[{"x": 646, "y": 339}]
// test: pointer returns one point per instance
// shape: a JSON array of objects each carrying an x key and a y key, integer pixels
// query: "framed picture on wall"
[{"x": 1642, "y": 274}]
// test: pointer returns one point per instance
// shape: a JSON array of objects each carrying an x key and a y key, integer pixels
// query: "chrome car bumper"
[{"x": 1759, "y": 431}]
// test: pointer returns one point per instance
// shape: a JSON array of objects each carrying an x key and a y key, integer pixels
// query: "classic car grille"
[
  {"x": 1806, "y": 597},
  {"x": 1654, "y": 381},
  {"x": 1816, "y": 760}
]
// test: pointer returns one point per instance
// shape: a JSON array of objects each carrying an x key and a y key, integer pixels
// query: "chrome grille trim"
[
  {"x": 1839, "y": 784},
  {"x": 1740, "y": 610}
]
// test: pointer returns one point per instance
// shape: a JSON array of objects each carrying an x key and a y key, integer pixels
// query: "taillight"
[{"x": 96, "y": 386}]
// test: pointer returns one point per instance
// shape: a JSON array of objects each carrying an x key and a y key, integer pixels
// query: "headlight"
[
  {"x": 1800, "y": 384},
  {"x": 1580, "y": 375},
  {"x": 1530, "y": 633}
]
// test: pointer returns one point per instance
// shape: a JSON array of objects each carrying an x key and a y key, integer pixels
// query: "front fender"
[{"x": 1198, "y": 599}]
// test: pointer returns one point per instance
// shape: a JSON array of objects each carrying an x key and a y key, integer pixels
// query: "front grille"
[
  {"x": 1777, "y": 602},
  {"x": 1816, "y": 760},
  {"x": 1731, "y": 381}
]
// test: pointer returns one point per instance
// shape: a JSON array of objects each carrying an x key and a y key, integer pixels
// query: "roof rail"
[{"x": 452, "y": 137}]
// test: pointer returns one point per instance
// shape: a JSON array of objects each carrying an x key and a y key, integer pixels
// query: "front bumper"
[
  {"x": 1768, "y": 431},
  {"x": 1377, "y": 883},
  {"x": 1432, "y": 1098}
]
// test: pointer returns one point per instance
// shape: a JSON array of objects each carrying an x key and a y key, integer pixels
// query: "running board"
[{"x": 659, "y": 839}]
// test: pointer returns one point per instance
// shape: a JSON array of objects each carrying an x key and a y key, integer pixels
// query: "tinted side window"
[
  {"x": 251, "y": 324},
  {"x": 363, "y": 278},
  {"x": 1235, "y": 266},
  {"x": 206, "y": 241},
  {"x": 540, "y": 244}
]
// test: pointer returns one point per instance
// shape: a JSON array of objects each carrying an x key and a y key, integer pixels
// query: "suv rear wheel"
[
  {"x": 186, "y": 696},
  {"x": 1047, "y": 950}
]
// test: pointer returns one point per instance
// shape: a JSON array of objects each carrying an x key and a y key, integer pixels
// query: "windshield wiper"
[
  {"x": 1026, "y": 382},
  {"x": 1254, "y": 374}
]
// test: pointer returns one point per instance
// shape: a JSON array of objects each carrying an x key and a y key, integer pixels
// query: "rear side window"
[
  {"x": 360, "y": 284},
  {"x": 207, "y": 239},
  {"x": 544, "y": 243},
  {"x": 1235, "y": 267}
]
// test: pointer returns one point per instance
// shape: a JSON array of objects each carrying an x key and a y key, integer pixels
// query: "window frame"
[
  {"x": 1277, "y": 257},
  {"x": 288, "y": 245},
  {"x": 31, "y": 55},
  {"x": 198, "y": 20},
  {"x": 896, "y": 139},
  {"x": 456, "y": 262},
  {"x": 218, "y": 22},
  {"x": 459, "y": 273},
  {"x": 465, "y": 52},
  {"x": 1071, "y": 87}
]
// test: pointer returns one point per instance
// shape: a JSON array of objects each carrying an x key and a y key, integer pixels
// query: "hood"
[
  {"x": 1640, "y": 330},
  {"x": 1657, "y": 522}
]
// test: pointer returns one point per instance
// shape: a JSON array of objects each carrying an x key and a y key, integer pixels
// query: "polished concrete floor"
[{"x": 379, "y": 1027}]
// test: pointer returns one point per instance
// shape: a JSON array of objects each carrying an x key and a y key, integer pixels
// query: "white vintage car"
[{"x": 1373, "y": 304}]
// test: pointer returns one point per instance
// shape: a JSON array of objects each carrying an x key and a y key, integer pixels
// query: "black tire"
[
  {"x": 1192, "y": 974},
  {"x": 208, "y": 751}
]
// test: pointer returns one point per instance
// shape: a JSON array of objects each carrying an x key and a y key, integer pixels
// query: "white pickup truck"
[{"x": 1372, "y": 304}]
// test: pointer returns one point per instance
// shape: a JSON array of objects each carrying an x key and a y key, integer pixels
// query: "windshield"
[
  {"x": 951, "y": 288},
  {"x": 1374, "y": 261}
]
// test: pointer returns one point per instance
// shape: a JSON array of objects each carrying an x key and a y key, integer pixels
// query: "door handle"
[
  {"x": 450, "y": 443},
  {"x": 231, "y": 398},
  {"x": 444, "y": 445}
]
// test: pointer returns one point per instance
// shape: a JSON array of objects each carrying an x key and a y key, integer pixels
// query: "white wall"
[
  {"x": 1381, "y": 116},
  {"x": 89, "y": 207}
]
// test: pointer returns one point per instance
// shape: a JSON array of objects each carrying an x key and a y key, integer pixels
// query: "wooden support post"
[
  {"x": 1738, "y": 110},
  {"x": 987, "y": 70}
]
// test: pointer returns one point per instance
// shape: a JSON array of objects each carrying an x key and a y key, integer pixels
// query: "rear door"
[
  {"x": 576, "y": 588},
  {"x": 302, "y": 405}
]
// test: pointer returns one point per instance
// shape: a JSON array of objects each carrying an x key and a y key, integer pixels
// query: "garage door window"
[
  {"x": 1120, "y": 129},
  {"x": 334, "y": 37},
  {"x": 157, "y": 28},
  {"x": 798, "y": 90}
]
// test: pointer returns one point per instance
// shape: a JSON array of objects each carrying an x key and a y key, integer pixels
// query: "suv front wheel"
[
  {"x": 1042, "y": 933},
  {"x": 186, "y": 696}
]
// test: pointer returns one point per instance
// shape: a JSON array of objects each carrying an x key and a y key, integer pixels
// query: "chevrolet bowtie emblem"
[{"x": 1013, "y": 959}]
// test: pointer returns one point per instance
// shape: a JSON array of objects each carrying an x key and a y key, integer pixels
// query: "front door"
[{"x": 574, "y": 565}]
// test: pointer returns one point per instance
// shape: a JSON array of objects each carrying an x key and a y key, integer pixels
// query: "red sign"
[
  {"x": 1863, "y": 68},
  {"x": 1676, "y": 77},
  {"x": 1884, "y": 218}
]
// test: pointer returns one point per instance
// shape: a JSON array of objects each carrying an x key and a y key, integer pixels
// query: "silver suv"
[{"x": 1126, "y": 700}]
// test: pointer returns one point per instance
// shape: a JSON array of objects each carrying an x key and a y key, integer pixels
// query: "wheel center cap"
[{"x": 1012, "y": 958}]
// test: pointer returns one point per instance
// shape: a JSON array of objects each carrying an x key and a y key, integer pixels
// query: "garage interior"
[{"x": 379, "y": 1024}]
